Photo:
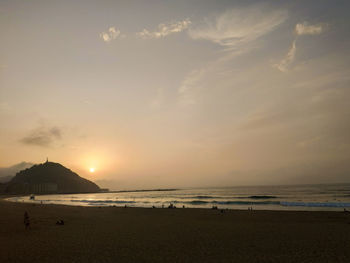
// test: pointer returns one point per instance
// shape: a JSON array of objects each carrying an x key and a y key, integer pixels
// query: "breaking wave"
[
  {"x": 205, "y": 197},
  {"x": 262, "y": 197},
  {"x": 233, "y": 197},
  {"x": 315, "y": 204},
  {"x": 216, "y": 202},
  {"x": 104, "y": 201},
  {"x": 200, "y": 202}
]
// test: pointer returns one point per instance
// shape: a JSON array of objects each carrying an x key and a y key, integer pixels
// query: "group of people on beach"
[{"x": 26, "y": 221}]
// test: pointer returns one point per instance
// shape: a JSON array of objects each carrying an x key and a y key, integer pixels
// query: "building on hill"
[{"x": 45, "y": 188}]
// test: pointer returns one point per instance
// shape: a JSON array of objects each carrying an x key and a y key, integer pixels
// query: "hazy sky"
[{"x": 178, "y": 93}]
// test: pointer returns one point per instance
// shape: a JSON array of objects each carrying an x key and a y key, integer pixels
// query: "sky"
[{"x": 151, "y": 94}]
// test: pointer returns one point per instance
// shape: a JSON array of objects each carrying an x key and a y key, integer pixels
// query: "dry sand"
[{"x": 111, "y": 234}]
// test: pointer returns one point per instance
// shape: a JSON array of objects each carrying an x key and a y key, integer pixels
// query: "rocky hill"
[{"x": 48, "y": 178}]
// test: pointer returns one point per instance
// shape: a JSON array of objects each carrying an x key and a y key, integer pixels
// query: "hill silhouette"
[{"x": 49, "y": 177}]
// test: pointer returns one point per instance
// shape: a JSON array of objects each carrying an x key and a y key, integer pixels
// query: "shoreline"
[
  {"x": 166, "y": 208},
  {"x": 157, "y": 206},
  {"x": 219, "y": 209}
]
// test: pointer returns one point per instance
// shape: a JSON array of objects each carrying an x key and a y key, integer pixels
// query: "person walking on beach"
[{"x": 26, "y": 220}]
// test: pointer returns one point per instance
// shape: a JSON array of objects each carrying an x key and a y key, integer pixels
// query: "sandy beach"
[{"x": 114, "y": 234}]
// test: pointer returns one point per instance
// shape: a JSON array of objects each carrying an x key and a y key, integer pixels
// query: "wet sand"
[{"x": 112, "y": 234}]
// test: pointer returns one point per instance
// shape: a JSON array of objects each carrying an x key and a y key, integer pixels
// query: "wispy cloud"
[
  {"x": 165, "y": 29},
  {"x": 189, "y": 85},
  {"x": 288, "y": 60},
  {"x": 239, "y": 25},
  {"x": 300, "y": 30},
  {"x": 111, "y": 34},
  {"x": 42, "y": 136},
  {"x": 236, "y": 30},
  {"x": 306, "y": 29}
]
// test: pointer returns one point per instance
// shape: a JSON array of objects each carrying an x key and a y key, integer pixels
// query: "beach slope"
[{"x": 110, "y": 234}]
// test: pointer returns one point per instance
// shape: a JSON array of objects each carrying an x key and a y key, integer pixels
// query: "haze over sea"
[{"x": 297, "y": 197}]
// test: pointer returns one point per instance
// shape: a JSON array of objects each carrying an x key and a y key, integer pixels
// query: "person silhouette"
[{"x": 26, "y": 220}]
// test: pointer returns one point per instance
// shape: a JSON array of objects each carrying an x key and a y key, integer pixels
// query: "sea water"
[{"x": 300, "y": 197}]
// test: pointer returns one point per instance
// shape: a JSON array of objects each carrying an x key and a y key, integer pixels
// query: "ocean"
[{"x": 297, "y": 197}]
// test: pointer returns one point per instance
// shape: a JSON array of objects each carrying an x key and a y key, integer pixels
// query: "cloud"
[
  {"x": 306, "y": 29},
  {"x": 165, "y": 29},
  {"x": 300, "y": 29},
  {"x": 189, "y": 86},
  {"x": 289, "y": 59},
  {"x": 239, "y": 25},
  {"x": 111, "y": 34},
  {"x": 236, "y": 30},
  {"x": 42, "y": 136}
]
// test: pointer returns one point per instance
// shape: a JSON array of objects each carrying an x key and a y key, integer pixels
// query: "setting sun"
[{"x": 92, "y": 170}]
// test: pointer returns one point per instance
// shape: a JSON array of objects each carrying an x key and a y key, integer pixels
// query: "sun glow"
[{"x": 92, "y": 169}]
